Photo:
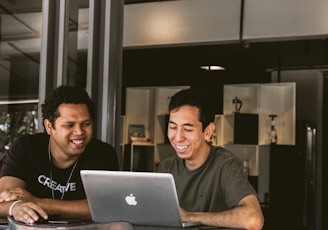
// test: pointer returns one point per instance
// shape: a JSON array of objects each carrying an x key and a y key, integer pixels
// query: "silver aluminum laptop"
[{"x": 140, "y": 198}]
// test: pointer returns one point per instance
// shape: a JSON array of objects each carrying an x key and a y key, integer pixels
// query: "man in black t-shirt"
[{"x": 40, "y": 175}]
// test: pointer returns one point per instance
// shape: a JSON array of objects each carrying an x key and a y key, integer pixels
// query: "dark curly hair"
[{"x": 67, "y": 95}]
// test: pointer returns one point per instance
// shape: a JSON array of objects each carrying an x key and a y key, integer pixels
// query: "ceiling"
[
  {"x": 19, "y": 6},
  {"x": 141, "y": 1},
  {"x": 180, "y": 65}
]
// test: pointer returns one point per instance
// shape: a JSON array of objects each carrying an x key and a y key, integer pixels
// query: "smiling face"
[
  {"x": 186, "y": 135},
  {"x": 72, "y": 132}
]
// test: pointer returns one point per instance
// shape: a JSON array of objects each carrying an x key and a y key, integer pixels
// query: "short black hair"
[
  {"x": 199, "y": 98},
  {"x": 67, "y": 95}
]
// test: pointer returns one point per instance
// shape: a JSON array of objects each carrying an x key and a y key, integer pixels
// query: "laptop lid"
[{"x": 140, "y": 198}]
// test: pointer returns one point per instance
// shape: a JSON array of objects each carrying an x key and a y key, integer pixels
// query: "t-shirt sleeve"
[
  {"x": 165, "y": 166},
  {"x": 100, "y": 155},
  {"x": 161, "y": 167},
  {"x": 113, "y": 163},
  {"x": 235, "y": 182},
  {"x": 13, "y": 163}
]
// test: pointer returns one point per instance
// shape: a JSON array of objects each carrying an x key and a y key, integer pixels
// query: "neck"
[
  {"x": 61, "y": 161},
  {"x": 63, "y": 164},
  {"x": 199, "y": 160}
]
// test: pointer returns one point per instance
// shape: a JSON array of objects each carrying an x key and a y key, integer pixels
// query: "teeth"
[
  {"x": 77, "y": 142},
  {"x": 181, "y": 147}
]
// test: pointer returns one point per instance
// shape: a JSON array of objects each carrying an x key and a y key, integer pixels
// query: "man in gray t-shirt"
[{"x": 211, "y": 184}]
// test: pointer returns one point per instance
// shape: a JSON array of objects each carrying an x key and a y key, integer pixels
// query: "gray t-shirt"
[{"x": 219, "y": 184}]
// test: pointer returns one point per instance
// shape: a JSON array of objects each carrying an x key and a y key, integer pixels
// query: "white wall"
[{"x": 181, "y": 22}]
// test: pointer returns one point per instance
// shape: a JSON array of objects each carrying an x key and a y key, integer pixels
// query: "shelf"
[
  {"x": 148, "y": 106},
  {"x": 248, "y": 133},
  {"x": 138, "y": 158},
  {"x": 263, "y": 99},
  {"x": 246, "y": 93},
  {"x": 142, "y": 143},
  {"x": 278, "y": 99},
  {"x": 217, "y": 138}
]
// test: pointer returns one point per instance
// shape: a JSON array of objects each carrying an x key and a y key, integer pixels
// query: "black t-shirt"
[{"x": 28, "y": 159}]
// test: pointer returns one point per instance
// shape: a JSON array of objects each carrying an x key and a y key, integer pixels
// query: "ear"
[
  {"x": 209, "y": 130},
  {"x": 48, "y": 126}
]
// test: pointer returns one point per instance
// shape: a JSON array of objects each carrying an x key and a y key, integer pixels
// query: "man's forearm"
[
  {"x": 4, "y": 207},
  {"x": 77, "y": 209}
]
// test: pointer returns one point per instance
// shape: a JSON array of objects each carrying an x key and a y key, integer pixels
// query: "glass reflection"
[
  {"x": 77, "y": 42},
  {"x": 20, "y": 45}
]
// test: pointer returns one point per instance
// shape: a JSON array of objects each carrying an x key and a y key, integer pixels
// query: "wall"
[
  {"x": 181, "y": 22},
  {"x": 190, "y": 22}
]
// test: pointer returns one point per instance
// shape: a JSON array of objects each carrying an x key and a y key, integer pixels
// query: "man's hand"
[
  {"x": 184, "y": 214},
  {"x": 28, "y": 212},
  {"x": 17, "y": 194}
]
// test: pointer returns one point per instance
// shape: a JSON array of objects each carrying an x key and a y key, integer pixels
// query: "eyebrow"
[
  {"x": 186, "y": 124},
  {"x": 68, "y": 121}
]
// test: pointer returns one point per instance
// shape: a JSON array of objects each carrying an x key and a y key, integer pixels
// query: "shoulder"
[
  {"x": 96, "y": 144},
  {"x": 99, "y": 155},
  {"x": 223, "y": 154},
  {"x": 35, "y": 140},
  {"x": 100, "y": 149},
  {"x": 223, "y": 160},
  {"x": 169, "y": 163},
  {"x": 33, "y": 137},
  {"x": 27, "y": 151}
]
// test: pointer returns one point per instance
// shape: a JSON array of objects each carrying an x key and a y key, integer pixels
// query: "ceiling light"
[{"x": 212, "y": 67}]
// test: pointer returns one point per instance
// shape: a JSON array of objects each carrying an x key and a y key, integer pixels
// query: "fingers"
[
  {"x": 8, "y": 195},
  {"x": 15, "y": 194},
  {"x": 183, "y": 213},
  {"x": 28, "y": 212}
]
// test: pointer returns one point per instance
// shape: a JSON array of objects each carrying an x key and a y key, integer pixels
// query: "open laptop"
[{"x": 140, "y": 198}]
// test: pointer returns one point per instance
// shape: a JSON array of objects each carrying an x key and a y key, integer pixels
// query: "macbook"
[{"x": 140, "y": 198}]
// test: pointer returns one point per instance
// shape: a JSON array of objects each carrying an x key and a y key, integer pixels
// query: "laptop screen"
[{"x": 141, "y": 198}]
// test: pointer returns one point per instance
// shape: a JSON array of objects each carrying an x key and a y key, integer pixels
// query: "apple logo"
[{"x": 131, "y": 200}]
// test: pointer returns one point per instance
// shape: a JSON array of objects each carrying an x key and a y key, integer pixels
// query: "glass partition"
[
  {"x": 44, "y": 44},
  {"x": 77, "y": 42},
  {"x": 20, "y": 45}
]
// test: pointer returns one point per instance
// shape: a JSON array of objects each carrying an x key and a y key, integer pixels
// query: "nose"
[
  {"x": 179, "y": 135},
  {"x": 78, "y": 129}
]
